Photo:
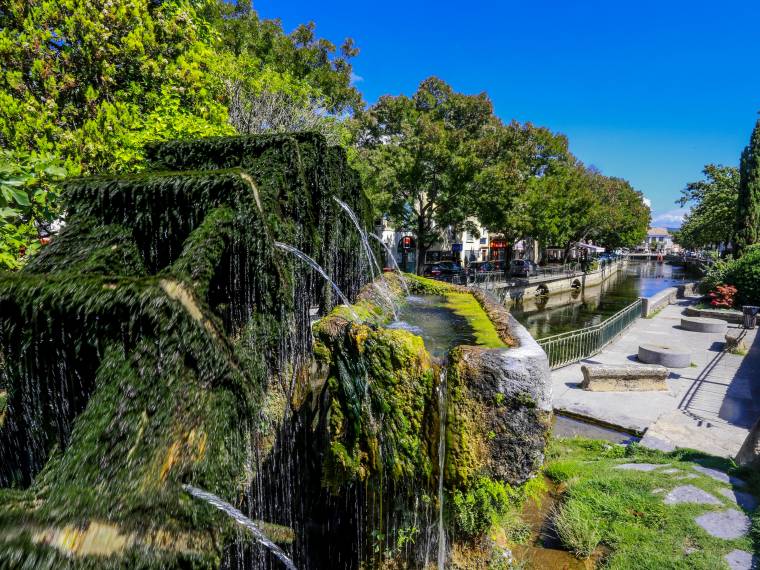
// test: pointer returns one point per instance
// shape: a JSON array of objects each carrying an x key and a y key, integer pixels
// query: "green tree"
[
  {"x": 282, "y": 82},
  {"x": 623, "y": 217},
  {"x": 85, "y": 81},
  {"x": 513, "y": 156},
  {"x": 713, "y": 213},
  {"x": 564, "y": 207},
  {"x": 748, "y": 203},
  {"x": 418, "y": 158}
]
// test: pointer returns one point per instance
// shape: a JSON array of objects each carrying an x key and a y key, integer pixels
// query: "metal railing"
[{"x": 572, "y": 346}]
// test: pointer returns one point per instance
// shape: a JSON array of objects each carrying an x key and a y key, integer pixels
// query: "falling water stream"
[
  {"x": 442, "y": 411},
  {"x": 395, "y": 263},
  {"x": 371, "y": 261},
  {"x": 241, "y": 519},
  {"x": 314, "y": 265}
]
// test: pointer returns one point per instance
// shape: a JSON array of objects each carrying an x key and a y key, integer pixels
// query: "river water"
[{"x": 582, "y": 308}]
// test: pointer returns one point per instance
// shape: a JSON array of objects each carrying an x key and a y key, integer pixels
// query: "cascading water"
[
  {"x": 371, "y": 261},
  {"x": 442, "y": 411},
  {"x": 244, "y": 521},
  {"x": 394, "y": 262},
  {"x": 314, "y": 265}
]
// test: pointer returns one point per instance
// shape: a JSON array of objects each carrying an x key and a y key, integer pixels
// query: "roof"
[{"x": 658, "y": 232}]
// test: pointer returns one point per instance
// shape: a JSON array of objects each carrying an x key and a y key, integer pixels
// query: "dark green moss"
[{"x": 137, "y": 346}]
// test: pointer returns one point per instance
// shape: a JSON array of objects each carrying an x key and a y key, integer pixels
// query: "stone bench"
[
  {"x": 623, "y": 378},
  {"x": 703, "y": 324}
]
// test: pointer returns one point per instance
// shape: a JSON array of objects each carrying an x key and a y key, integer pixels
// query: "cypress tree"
[{"x": 748, "y": 204}]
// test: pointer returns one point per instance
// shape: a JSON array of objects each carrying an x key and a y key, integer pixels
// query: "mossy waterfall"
[{"x": 165, "y": 345}]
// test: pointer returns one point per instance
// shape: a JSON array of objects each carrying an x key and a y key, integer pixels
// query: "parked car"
[
  {"x": 481, "y": 267},
  {"x": 522, "y": 268},
  {"x": 442, "y": 269}
]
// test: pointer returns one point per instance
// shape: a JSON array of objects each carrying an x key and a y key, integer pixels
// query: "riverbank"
[
  {"x": 591, "y": 305},
  {"x": 709, "y": 406}
]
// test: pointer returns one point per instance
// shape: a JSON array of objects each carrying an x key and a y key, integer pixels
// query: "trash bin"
[{"x": 750, "y": 315}]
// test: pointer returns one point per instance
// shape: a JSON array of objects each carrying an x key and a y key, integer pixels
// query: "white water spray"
[
  {"x": 395, "y": 264},
  {"x": 318, "y": 268},
  {"x": 371, "y": 261},
  {"x": 241, "y": 519},
  {"x": 442, "y": 412}
]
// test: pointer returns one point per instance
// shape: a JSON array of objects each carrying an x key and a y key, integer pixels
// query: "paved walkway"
[{"x": 709, "y": 406}]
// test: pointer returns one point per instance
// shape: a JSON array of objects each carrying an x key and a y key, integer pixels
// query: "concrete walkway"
[{"x": 709, "y": 406}]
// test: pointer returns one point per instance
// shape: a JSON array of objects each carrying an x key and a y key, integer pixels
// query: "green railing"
[{"x": 572, "y": 346}]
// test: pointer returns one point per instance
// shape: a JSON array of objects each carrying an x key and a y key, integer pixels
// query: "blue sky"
[{"x": 648, "y": 91}]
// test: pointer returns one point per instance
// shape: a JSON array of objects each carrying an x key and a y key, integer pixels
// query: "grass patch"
[
  {"x": 624, "y": 510},
  {"x": 465, "y": 305}
]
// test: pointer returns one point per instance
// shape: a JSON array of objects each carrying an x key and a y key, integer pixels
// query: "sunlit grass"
[{"x": 624, "y": 510}]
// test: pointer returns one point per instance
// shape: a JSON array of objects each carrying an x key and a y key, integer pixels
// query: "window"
[{"x": 483, "y": 241}]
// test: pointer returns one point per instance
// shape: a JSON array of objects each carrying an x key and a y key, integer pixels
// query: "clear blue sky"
[{"x": 648, "y": 91}]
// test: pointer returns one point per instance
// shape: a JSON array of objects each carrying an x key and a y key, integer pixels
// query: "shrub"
[
  {"x": 744, "y": 274},
  {"x": 475, "y": 510},
  {"x": 716, "y": 274},
  {"x": 576, "y": 525},
  {"x": 722, "y": 297}
]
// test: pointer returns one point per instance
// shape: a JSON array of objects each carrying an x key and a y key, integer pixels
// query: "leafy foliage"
[
  {"x": 744, "y": 274},
  {"x": 28, "y": 203},
  {"x": 711, "y": 219},
  {"x": 723, "y": 296},
  {"x": 477, "y": 508},
  {"x": 748, "y": 202},
  {"x": 419, "y": 156}
]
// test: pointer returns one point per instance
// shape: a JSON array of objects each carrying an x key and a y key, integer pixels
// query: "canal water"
[{"x": 583, "y": 308}]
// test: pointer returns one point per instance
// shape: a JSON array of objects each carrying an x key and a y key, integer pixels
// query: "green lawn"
[{"x": 624, "y": 510}]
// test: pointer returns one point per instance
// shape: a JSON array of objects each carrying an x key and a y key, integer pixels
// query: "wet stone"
[
  {"x": 725, "y": 524},
  {"x": 741, "y": 560},
  {"x": 638, "y": 466},
  {"x": 690, "y": 494},
  {"x": 720, "y": 476},
  {"x": 744, "y": 500}
]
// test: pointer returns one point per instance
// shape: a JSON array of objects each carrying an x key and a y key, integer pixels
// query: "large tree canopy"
[
  {"x": 513, "y": 157},
  {"x": 748, "y": 201},
  {"x": 418, "y": 156},
  {"x": 713, "y": 201}
]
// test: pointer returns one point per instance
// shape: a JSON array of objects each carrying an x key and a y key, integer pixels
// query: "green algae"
[{"x": 465, "y": 305}]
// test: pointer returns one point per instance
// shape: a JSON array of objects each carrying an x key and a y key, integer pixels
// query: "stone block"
[
  {"x": 703, "y": 324},
  {"x": 623, "y": 378},
  {"x": 735, "y": 341},
  {"x": 664, "y": 356}
]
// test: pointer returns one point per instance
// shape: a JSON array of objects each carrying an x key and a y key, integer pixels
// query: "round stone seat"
[
  {"x": 703, "y": 324},
  {"x": 664, "y": 356}
]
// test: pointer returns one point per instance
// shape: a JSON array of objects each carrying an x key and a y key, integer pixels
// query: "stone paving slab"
[
  {"x": 727, "y": 525},
  {"x": 640, "y": 466},
  {"x": 744, "y": 500},
  {"x": 720, "y": 476},
  {"x": 741, "y": 560},
  {"x": 709, "y": 407},
  {"x": 690, "y": 494}
]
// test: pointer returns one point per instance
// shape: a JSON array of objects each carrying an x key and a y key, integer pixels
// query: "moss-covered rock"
[{"x": 155, "y": 343}]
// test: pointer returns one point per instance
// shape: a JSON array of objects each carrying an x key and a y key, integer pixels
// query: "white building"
[{"x": 659, "y": 240}]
